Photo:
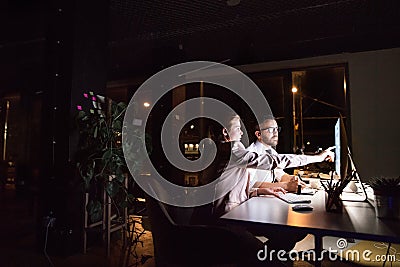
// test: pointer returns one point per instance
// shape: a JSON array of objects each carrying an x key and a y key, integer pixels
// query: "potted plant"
[
  {"x": 387, "y": 196},
  {"x": 101, "y": 163},
  {"x": 99, "y": 157}
]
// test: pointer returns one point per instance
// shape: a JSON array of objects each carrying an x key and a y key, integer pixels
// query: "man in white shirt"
[{"x": 267, "y": 139}]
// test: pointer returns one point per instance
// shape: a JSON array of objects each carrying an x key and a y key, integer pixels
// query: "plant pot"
[{"x": 387, "y": 206}]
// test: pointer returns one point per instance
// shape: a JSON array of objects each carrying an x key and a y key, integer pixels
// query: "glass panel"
[{"x": 321, "y": 97}]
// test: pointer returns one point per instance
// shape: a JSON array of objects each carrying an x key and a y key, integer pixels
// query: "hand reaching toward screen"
[{"x": 328, "y": 154}]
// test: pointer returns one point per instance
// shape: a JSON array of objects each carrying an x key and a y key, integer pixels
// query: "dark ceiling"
[
  {"x": 150, "y": 20},
  {"x": 251, "y": 31},
  {"x": 145, "y": 35}
]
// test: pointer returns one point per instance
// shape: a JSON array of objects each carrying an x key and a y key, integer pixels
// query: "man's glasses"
[{"x": 272, "y": 129}]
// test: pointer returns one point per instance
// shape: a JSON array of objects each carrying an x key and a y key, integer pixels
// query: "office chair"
[{"x": 182, "y": 244}]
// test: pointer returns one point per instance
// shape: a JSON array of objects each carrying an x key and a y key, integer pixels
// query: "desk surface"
[{"x": 358, "y": 219}]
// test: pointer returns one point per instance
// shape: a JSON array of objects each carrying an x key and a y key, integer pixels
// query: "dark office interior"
[{"x": 342, "y": 56}]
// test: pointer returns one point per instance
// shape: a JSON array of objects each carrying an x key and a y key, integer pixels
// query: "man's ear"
[{"x": 257, "y": 133}]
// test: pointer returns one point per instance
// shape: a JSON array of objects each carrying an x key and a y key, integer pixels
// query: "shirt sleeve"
[
  {"x": 278, "y": 173},
  {"x": 246, "y": 159}
]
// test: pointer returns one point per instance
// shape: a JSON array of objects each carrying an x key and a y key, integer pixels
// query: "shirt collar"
[{"x": 261, "y": 148}]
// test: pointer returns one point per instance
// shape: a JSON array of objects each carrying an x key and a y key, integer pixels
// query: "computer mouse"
[{"x": 302, "y": 207}]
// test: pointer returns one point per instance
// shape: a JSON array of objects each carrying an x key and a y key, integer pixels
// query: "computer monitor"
[
  {"x": 343, "y": 159},
  {"x": 341, "y": 149}
]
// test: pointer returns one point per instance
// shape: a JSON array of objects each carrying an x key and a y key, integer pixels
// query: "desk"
[{"x": 358, "y": 219}]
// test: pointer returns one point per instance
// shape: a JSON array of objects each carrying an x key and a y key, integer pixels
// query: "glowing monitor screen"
[
  {"x": 341, "y": 150},
  {"x": 337, "y": 147}
]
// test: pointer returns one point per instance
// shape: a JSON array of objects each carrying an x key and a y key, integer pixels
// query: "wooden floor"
[{"x": 19, "y": 248}]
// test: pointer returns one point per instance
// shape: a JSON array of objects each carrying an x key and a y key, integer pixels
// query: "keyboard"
[{"x": 292, "y": 198}]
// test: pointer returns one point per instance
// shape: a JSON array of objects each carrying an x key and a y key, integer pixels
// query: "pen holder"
[{"x": 333, "y": 203}]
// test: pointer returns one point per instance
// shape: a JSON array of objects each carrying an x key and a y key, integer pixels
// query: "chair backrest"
[
  {"x": 185, "y": 245},
  {"x": 162, "y": 228},
  {"x": 175, "y": 215}
]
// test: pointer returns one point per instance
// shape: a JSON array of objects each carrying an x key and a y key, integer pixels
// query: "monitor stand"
[{"x": 356, "y": 178}]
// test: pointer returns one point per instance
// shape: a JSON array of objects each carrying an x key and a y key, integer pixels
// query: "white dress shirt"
[
  {"x": 234, "y": 179},
  {"x": 259, "y": 175}
]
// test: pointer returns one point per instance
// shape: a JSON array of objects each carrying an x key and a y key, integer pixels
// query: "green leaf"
[
  {"x": 95, "y": 211},
  {"x": 131, "y": 197},
  {"x": 81, "y": 115},
  {"x": 124, "y": 204},
  {"x": 107, "y": 155},
  {"x": 120, "y": 175},
  {"x": 117, "y": 125},
  {"x": 122, "y": 105},
  {"x": 87, "y": 172},
  {"x": 112, "y": 188}
]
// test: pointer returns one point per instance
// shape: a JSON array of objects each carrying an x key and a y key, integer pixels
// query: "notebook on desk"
[{"x": 308, "y": 191}]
